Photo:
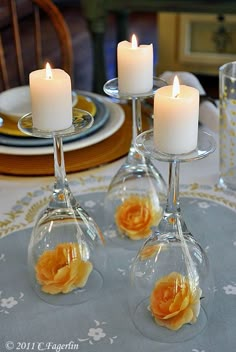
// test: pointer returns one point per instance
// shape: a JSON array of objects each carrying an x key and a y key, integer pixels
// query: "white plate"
[
  {"x": 100, "y": 118},
  {"x": 16, "y": 102},
  {"x": 114, "y": 122}
]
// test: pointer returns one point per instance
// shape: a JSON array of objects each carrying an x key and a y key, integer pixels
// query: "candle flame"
[
  {"x": 48, "y": 71},
  {"x": 134, "y": 42},
  {"x": 176, "y": 88}
]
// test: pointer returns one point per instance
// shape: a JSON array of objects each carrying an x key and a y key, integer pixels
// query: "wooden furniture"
[
  {"x": 96, "y": 12},
  {"x": 16, "y": 59}
]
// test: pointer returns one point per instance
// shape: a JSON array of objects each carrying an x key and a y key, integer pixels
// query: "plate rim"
[
  {"x": 116, "y": 112},
  {"x": 21, "y": 135},
  {"x": 13, "y": 115},
  {"x": 99, "y": 121}
]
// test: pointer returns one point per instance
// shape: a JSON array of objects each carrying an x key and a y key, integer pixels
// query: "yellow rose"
[
  {"x": 62, "y": 269},
  {"x": 150, "y": 251},
  {"x": 135, "y": 217},
  {"x": 173, "y": 302}
]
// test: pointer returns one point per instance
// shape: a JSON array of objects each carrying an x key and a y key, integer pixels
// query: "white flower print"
[
  {"x": 96, "y": 333},
  {"x": 90, "y": 203},
  {"x": 110, "y": 233},
  {"x": 2, "y": 257},
  {"x": 122, "y": 271},
  {"x": 230, "y": 289},
  {"x": 203, "y": 205},
  {"x": 8, "y": 302}
]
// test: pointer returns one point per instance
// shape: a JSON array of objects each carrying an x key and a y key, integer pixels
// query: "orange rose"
[
  {"x": 135, "y": 216},
  {"x": 173, "y": 302},
  {"x": 62, "y": 269},
  {"x": 149, "y": 251}
]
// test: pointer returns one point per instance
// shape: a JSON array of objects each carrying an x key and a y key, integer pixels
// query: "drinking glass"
[
  {"x": 171, "y": 284},
  {"x": 66, "y": 256},
  {"x": 227, "y": 130},
  {"x": 133, "y": 202}
]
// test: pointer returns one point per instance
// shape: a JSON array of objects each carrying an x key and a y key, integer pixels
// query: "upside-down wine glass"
[
  {"x": 171, "y": 289},
  {"x": 133, "y": 200},
  {"x": 66, "y": 257}
]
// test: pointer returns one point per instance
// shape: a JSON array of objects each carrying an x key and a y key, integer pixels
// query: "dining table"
[{"x": 27, "y": 323}]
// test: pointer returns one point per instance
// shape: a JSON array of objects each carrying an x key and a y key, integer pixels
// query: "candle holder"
[
  {"x": 171, "y": 290},
  {"x": 66, "y": 257},
  {"x": 133, "y": 200}
]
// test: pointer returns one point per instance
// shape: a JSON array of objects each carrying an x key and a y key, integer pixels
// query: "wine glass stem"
[
  {"x": 137, "y": 118},
  {"x": 136, "y": 125},
  {"x": 173, "y": 205},
  {"x": 59, "y": 164},
  {"x": 62, "y": 195}
]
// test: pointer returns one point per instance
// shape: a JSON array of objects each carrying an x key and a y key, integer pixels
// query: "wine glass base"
[
  {"x": 146, "y": 325},
  {"x": 111, "y": 88},
  {"x": 146, "y": 147},
  {"x": 81, "y": 120}
]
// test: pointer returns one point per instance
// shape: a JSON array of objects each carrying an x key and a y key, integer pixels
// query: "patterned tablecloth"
[{"x": 29, "y": 324}]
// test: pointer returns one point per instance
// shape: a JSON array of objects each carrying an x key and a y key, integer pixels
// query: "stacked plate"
[{"x": 108, "y": 118}]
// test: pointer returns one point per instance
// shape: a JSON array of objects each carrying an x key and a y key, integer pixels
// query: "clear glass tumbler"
[{"x": 227, "y": 131}]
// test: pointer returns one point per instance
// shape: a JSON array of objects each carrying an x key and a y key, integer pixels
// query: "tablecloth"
[{"x": 27, "y": 323}]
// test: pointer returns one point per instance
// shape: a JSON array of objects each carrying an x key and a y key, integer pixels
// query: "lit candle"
[
  {"x": 135, "y": 67},
  {"x": 51, "y": 99},
  {"x": 176, "y": 110}
]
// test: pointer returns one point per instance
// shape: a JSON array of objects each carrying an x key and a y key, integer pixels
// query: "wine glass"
[
  {"x": 133, "y": 200},
  {"x": 171, "y": 283},
  {"x": 66, "y": 257}
]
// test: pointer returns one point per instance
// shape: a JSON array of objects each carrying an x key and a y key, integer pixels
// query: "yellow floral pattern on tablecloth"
[{"x": 23, "y": 213}]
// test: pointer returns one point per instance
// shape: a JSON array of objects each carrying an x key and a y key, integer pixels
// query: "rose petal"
[
  {"x": 180, "y": 302},
  {"x": 178, "y": 321},
  {"x": 84, "y": 271}
]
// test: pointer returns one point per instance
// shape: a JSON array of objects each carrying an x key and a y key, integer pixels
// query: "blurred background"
[{"x": 195, "y": 37}]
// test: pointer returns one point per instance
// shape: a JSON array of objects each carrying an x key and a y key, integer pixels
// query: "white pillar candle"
[
  {"x": 135, "y": 67},
  {"x": 51, "y": 99},
  {"x": 176, "y": 111}
]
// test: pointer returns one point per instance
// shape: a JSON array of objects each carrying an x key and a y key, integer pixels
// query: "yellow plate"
[{"x": 10, "y": 127}]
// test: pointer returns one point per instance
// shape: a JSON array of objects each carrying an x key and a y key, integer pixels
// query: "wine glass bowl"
[
  {"x": 66, "y": 257},
  {"x": 170, "y": 298},
  {"x": 133, "y": 205}
]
